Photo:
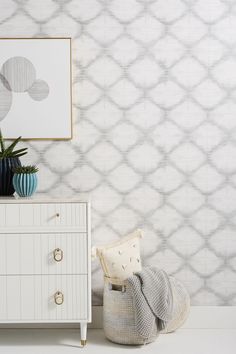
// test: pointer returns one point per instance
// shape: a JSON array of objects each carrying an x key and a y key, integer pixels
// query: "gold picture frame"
[{"x": 70, "y": 137}]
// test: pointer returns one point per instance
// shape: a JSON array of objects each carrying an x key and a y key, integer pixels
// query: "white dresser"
[{"x": 45, "y": 274}]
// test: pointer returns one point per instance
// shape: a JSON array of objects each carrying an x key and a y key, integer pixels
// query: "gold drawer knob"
[
  {"x": 58, "y": 255},
  {"x": 58, "y": 298}
]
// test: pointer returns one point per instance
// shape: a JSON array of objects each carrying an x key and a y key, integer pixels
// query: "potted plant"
[
  {"x": 9, "y": 159},
  {"x": 25, "y": 180}
]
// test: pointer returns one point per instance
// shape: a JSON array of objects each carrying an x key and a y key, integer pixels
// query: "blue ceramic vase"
[{"x": 25, "y": 184}]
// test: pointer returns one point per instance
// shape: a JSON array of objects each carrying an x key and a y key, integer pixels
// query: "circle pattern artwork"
[
  {"x": 20, "y": 73},
  {"x": 5, "y": 97},
  {"x": 39, "y": 90}
]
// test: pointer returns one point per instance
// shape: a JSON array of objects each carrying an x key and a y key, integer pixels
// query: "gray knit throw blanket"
[{"x": 153, "y": 300}]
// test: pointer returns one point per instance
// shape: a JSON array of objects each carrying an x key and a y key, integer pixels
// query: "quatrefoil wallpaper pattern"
[{"x": 154, "y": 99}]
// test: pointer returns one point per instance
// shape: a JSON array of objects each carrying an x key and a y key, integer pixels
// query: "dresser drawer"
[
  {"x": 44, "y": 216},
  {"x": 28, "y": 298},
  {"x": 53, "y": 253}
]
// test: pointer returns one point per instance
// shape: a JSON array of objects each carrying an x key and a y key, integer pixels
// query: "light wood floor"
[{"x": 66, "y": 341}]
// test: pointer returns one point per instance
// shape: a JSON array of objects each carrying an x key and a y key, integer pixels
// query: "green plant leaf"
[
  {"x": 16, "y": 152},
  {"x": 11, "y": 147},
  {"x": 25, "y": 169},
  {"x": 9, "y": 151},
  {"x": 22, "y": 154},
  {"x": 2, "y": 142}
]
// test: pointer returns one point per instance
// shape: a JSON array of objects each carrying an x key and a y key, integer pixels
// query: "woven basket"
[{"x": 119, "y": 314}]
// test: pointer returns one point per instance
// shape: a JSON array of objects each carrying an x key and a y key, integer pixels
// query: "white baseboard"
[{"x": 200, "y": 317}]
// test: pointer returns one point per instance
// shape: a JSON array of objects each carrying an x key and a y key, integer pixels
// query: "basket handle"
[{"x": 115, "y": 287}]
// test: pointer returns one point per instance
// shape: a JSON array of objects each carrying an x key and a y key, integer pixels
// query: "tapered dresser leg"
[{"x": 83, "y": 333}]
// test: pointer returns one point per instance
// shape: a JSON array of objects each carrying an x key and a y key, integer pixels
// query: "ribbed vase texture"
[
  {"x": 25, "y": 184},
  {"x": 6, "y": 175}
]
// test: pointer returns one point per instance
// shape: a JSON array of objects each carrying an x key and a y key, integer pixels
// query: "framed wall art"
[{"x": 35, "y": 88}]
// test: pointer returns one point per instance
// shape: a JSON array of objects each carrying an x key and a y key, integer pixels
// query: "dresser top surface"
[{"x": 37, "y": 199}]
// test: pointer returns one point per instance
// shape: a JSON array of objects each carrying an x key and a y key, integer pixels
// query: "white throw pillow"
[{"x": 121, "y": 258}]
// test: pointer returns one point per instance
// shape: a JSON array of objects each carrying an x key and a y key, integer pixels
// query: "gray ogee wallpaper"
[{"x": 154, "y": 101}]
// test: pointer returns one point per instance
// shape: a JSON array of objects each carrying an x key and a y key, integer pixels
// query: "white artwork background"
[{"x": 51, "y": 117}]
